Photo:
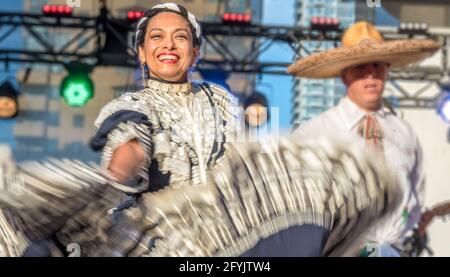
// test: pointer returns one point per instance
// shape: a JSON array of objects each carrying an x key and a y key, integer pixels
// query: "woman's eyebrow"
[
  {"x": 156, "y": 29},
  {"x": 176, "y": 30},
  {"x": 181, "y": 29}
]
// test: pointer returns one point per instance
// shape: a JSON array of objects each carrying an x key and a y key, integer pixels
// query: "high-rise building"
[
  {"x": 312, "y": 97},
  {"x": 47, "y": 126}
]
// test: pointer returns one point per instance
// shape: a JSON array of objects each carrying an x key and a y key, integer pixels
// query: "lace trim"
[
  {"x": 177, "y": 246},
  {"x": 183, "y": 88}
]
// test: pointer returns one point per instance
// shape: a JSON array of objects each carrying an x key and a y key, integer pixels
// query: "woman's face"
[{"x": 168, "y": 48}]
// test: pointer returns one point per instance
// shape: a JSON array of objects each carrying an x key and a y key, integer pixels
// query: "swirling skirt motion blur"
[{"x": 256, "y": 192}]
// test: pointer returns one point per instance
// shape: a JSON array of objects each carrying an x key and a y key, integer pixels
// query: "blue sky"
[{"x": 277, "y": 88}]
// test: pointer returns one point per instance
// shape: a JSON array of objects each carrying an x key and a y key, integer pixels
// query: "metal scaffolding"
[{"x": 90, "y": 39}]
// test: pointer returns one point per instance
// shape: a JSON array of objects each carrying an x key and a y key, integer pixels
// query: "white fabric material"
[
  {"x": 191, "y": 17},
  {"x": 171, "y": 6},
  {"x": 402, "y": 152}
]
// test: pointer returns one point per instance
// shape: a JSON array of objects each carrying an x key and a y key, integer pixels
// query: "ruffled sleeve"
[{"x": 119, "y": 122}]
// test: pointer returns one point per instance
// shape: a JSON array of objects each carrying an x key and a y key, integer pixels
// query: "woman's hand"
[{"x": 126, "y": 161}]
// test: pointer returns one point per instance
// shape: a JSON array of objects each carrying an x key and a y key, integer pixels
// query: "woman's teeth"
[{"x": 168, "y": 57}]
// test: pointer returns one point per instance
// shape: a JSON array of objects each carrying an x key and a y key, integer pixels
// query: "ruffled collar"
[{"x": 169, "y": 87}]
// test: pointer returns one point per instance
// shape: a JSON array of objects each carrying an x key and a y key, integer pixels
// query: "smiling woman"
[
  {"x": 188, "y": 121},
  {"x": 168, "y": 49},
  {"x": 168, "y": 42}
]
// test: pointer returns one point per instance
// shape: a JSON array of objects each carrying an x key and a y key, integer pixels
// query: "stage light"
[
  {"x": 134, "y": 15},
  {"x": 57, "y": 10},
  {"x": 8, "y": 101},
  {"x": 236, "y": 18},
  {"x": 443, "y": 101},
  {"x": 324, "y": 24},
  {"x": 413, "y": 28},
  {"x": 77, "y": 87},
  {"x": 444, "y": 108}
]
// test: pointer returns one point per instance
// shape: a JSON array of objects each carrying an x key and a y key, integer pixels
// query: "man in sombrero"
[{"x": 363, "y": 64}]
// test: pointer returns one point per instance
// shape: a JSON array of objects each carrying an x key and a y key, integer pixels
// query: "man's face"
[{"x": 365, "y": 84}]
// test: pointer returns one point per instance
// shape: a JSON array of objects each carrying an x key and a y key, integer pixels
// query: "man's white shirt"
[{"x": 402, "y": 153}]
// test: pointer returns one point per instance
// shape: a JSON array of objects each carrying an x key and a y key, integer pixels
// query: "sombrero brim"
[{"x": 329, "y": 64}]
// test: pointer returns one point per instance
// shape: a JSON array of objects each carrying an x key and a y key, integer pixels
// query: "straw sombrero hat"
[{"x": 362, "y": 43}]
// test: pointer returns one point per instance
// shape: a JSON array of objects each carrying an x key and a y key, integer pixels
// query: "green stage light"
[{"x": 77, "y": 90}]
